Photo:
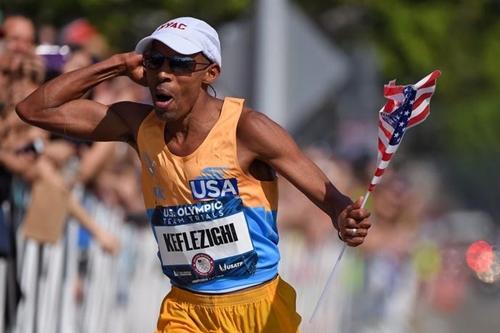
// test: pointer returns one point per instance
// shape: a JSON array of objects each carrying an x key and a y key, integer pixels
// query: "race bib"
[{"x": 204, "y": 241}]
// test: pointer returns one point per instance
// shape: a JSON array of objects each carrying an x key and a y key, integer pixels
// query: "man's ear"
[{"x": 212, "y": 74}]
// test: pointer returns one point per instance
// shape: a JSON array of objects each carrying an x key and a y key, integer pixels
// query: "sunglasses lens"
[
  {"x": 154, "y": 61},
  {"x": 182, "y": 64},
  {"x": 177, "y": 64}
]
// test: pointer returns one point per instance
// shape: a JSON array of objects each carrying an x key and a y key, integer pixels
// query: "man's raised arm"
[{"x": 57, "y": 105}]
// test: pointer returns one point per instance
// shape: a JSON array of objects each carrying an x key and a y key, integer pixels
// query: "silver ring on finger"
[{"x": 353, "y": 231}]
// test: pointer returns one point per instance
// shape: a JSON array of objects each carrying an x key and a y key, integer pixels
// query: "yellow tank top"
[{"x": 214, "y": 224}]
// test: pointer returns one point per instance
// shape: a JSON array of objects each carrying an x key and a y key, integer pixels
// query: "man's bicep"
[{"x": 89, "y": 120}]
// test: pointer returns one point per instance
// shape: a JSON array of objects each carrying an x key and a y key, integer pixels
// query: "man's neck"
[
  {"x": 201, "y": 112},
  {"x": 197, "y": 123}
]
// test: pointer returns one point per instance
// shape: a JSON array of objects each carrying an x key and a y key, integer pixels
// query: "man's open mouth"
[{"x": 160, "y": 97}]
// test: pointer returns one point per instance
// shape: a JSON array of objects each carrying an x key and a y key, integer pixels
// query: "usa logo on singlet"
[{"x": 213, "y": 188}]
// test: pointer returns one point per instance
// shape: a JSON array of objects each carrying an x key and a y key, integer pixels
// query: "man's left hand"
[{"x": 353, "y": 223}]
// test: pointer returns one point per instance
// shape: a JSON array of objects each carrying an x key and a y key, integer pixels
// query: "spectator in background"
[
  {"x": 389, "y": 293},
  {"x": 25, "y": 150},
  {"x": 19, "y": 34},
  {"x": 297, "y": 213},
  {"x": 47, "y": 35},
  {"x": 21, "y": 154},
  {"x": 20, "y": 72},
  {"x": 19, "y": 75},
  {"x": 83, "y": 34}
]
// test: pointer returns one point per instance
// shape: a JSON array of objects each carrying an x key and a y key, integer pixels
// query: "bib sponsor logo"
[
  {"x": 213, "y": 188},
  {"x": 203, "y": 264},
  {"x": 226, "y": 267}
]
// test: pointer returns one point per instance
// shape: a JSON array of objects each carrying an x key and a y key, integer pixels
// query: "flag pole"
[
  {"x": 379, "y": 172},
  {"x": 330, "y": 277},
  {"x": 332, "y": 273}
]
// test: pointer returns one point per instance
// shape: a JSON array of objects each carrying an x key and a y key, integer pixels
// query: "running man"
[{"x": 208, "y": 178}]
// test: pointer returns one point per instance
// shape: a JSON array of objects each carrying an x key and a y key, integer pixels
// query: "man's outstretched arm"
[
  {"x": 57, "y": 105},
  {"x": 268, "y": 142}
]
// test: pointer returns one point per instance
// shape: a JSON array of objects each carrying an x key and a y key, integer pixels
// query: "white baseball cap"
[{"x": 186, "y": 35}]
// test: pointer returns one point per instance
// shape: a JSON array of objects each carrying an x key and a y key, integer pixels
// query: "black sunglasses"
[{"x": 177, "y": 64}]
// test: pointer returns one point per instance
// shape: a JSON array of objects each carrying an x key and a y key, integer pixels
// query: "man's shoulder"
[
  {"x": 250, "y": 118},
  {"x": 254, "y": 128}
]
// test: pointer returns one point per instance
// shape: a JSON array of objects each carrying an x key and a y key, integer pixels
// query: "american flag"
[{"x": 406, "y": 107}]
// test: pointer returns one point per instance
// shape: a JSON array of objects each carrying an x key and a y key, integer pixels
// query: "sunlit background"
[{"x": 431, "y": 262}]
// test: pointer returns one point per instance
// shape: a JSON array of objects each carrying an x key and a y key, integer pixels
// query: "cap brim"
[{"x": 175, "y": 42}]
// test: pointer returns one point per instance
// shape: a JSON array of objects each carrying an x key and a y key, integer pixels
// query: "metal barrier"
[
  {"x": 3, "y": 283},
  {"x": 121, "y": 293}
]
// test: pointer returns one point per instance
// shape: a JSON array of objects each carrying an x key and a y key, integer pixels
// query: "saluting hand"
[
  {"x": 353, "y": 223},
  {"x": 135, "y": 71}
]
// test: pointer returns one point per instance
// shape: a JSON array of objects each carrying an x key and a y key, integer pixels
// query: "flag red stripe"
[
  {"x": 383, "y": 129},
  {"x": 421, "y": 99},
  {"x": 389, "y": 106},
  {"x": 419, "y": 118},
  {"x": 386, "y": 156},
  {"x": 393, "y": 90},
  {"x": 379, "y": 172},
  {"x": 381, "y": 145}
]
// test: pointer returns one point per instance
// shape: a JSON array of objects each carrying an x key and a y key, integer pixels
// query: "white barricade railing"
[
  {"x": 3, "y": 283},
  {"x": 69, "y": 308},
  {"x": 124, "y": 293},
  {"x": 306, "y": 267}
]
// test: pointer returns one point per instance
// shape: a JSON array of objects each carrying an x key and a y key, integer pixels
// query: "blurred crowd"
[
  {"x": 33, "y": 158},
  {"x": 412, "y": 264},
  {"x": 30, "y": 155}
]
